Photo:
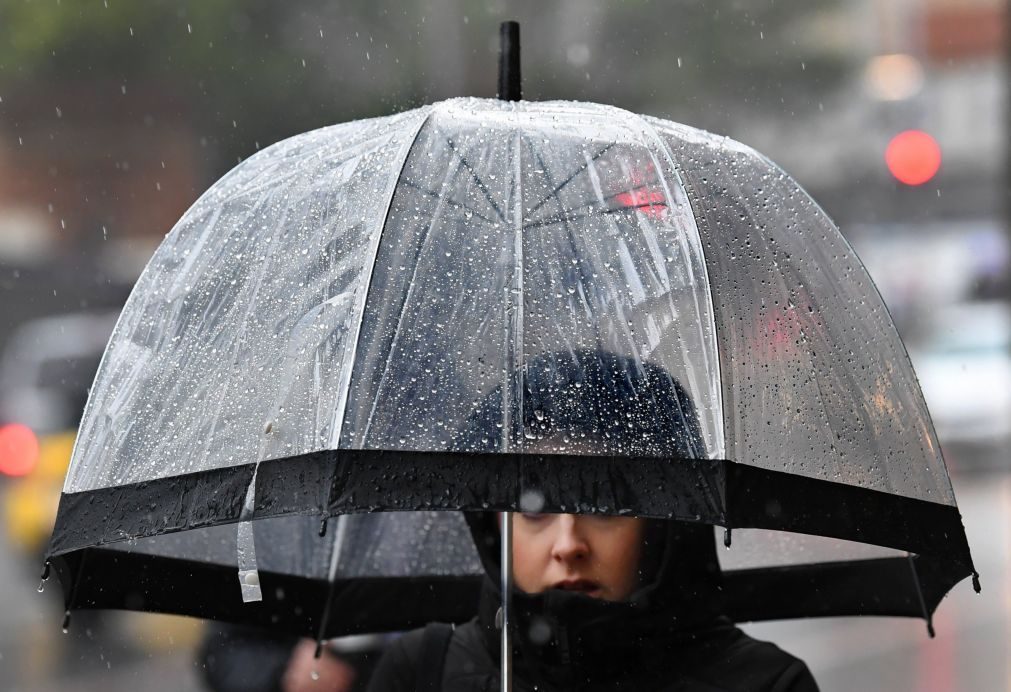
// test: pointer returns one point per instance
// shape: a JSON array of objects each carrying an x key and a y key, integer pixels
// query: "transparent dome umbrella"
[{"x": 315, "y": 335}]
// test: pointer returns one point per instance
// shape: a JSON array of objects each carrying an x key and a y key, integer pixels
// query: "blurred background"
[{"x": 115, "y": 116}]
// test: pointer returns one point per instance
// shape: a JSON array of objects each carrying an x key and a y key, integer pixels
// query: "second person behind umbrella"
[{"x": 599, "y": 602}]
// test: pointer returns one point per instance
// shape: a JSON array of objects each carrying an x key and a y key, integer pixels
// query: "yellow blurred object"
[
  {"x": 30, "y": 502},
  {"x": 158, "y": 633}
]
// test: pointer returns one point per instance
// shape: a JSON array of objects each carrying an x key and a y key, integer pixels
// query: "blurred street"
[
  {"x": 115, "y": 117},
  {"x": 970, "y": 651}
]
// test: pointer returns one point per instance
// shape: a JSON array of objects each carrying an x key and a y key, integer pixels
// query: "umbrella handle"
[{"x": 507, "y": 585}]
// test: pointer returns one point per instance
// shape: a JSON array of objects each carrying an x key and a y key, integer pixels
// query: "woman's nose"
[{"x": 569, "y": 545}]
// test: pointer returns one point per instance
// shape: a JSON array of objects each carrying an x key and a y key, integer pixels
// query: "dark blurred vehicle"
[
  {"x": 964, "y": 366},
  {"x": 45, "y": 372}
]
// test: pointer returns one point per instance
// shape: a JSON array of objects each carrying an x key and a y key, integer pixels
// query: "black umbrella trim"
[
  {"x": 330, "y": 483},
  {"x": 118, "y": 580},
  {"x": 348, "y": 481}
]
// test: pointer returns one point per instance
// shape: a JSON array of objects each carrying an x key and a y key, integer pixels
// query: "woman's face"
[{"x": 593, "y": 554}]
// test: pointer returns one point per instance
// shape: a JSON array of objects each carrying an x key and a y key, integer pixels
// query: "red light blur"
[
  {"x": 649, "y": 202},
  {"x": 913, "y": 157},
  {"x": 19, "y": 449}
]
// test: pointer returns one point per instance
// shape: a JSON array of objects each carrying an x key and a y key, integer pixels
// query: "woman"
[{"x": 599, "y": 602}]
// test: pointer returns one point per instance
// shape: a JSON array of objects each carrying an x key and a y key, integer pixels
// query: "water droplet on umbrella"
[
  {"x": 540, "y": 631},
  {"x": 531, "y": 501}
]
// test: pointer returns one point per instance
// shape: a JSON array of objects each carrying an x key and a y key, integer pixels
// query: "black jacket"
[{"x": 726, "y": 660}]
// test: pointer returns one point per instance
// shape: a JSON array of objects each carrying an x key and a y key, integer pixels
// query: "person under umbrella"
[{"x": 600, "y": 602}]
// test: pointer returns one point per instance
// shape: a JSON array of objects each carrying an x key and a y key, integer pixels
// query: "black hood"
[{"x": 628, "y": 408}]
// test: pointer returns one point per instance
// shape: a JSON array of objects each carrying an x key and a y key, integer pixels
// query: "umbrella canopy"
[{"x": 317, "y": 334}]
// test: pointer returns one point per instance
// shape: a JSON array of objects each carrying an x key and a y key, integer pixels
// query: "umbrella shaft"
[{"x": 507, "y": 584}]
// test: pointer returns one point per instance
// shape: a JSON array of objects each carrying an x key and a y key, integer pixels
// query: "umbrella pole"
[{"x": 507, "y": 585}]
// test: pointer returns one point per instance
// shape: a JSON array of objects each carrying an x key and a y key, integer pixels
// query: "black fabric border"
[
  {"x": 119, "y": 580},
  {"x": 715, "y": 492},
  {"x": 336, "y": 482}
]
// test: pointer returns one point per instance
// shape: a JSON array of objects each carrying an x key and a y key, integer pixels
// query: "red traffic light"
[
  {"x": 19, "y": 449},
  {"x": 913, "y": 157}
]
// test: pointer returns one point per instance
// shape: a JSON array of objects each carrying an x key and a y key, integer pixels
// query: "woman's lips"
[{"x": 581, "y": 585}]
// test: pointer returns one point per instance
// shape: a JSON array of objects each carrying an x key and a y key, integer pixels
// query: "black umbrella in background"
[{"x": 314, "y": 336}]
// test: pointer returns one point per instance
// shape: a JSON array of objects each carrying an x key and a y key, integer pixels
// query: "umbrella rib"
[
  {"x": 607, "y": 210},
  {"x": 565, "y": 221},
  {"x": 435, "y": 195},
  {"x": 564, "y": 218},
  {"x": 477, "y": 179},
  {"x": 554, "y": 193}
]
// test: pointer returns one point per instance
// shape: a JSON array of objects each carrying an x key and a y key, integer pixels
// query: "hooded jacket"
[
  {"x": 668, "y": 637},
  {"x": 670, "y": 634}
]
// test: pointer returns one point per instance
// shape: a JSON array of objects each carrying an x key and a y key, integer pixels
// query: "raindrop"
[
  {"x": 540, "y": 631},
  {"x": 531, "y": 501},
  {"x": 314, "y": 674},
  {"x": 251, "y": 578},
  {"x": 268, "y": 427},
  {"x": 679, "y": 61},
  {"x": 66, "y": 622},
  {"x": 189, "y": 29}
]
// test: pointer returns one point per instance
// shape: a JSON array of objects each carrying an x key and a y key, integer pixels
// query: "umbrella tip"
[
  {"x": 509, "y": 88},
  {"x": 45, "y": 576},
  {"x": 975, "y": 582}
]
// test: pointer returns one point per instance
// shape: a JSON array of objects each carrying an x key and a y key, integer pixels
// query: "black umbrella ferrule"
[
  {"x": 727, "y": 538},
  {"x": 975, "y": 582},
  {"x": 509, "y": 86}
]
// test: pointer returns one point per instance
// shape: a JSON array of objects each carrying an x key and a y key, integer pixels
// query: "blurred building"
[{"x": 92, "y": 176}]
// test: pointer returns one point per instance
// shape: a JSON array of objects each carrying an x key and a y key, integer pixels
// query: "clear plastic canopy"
[
  {"x": 371, "y": 285},
  {"x": 494, "y": 281}
]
